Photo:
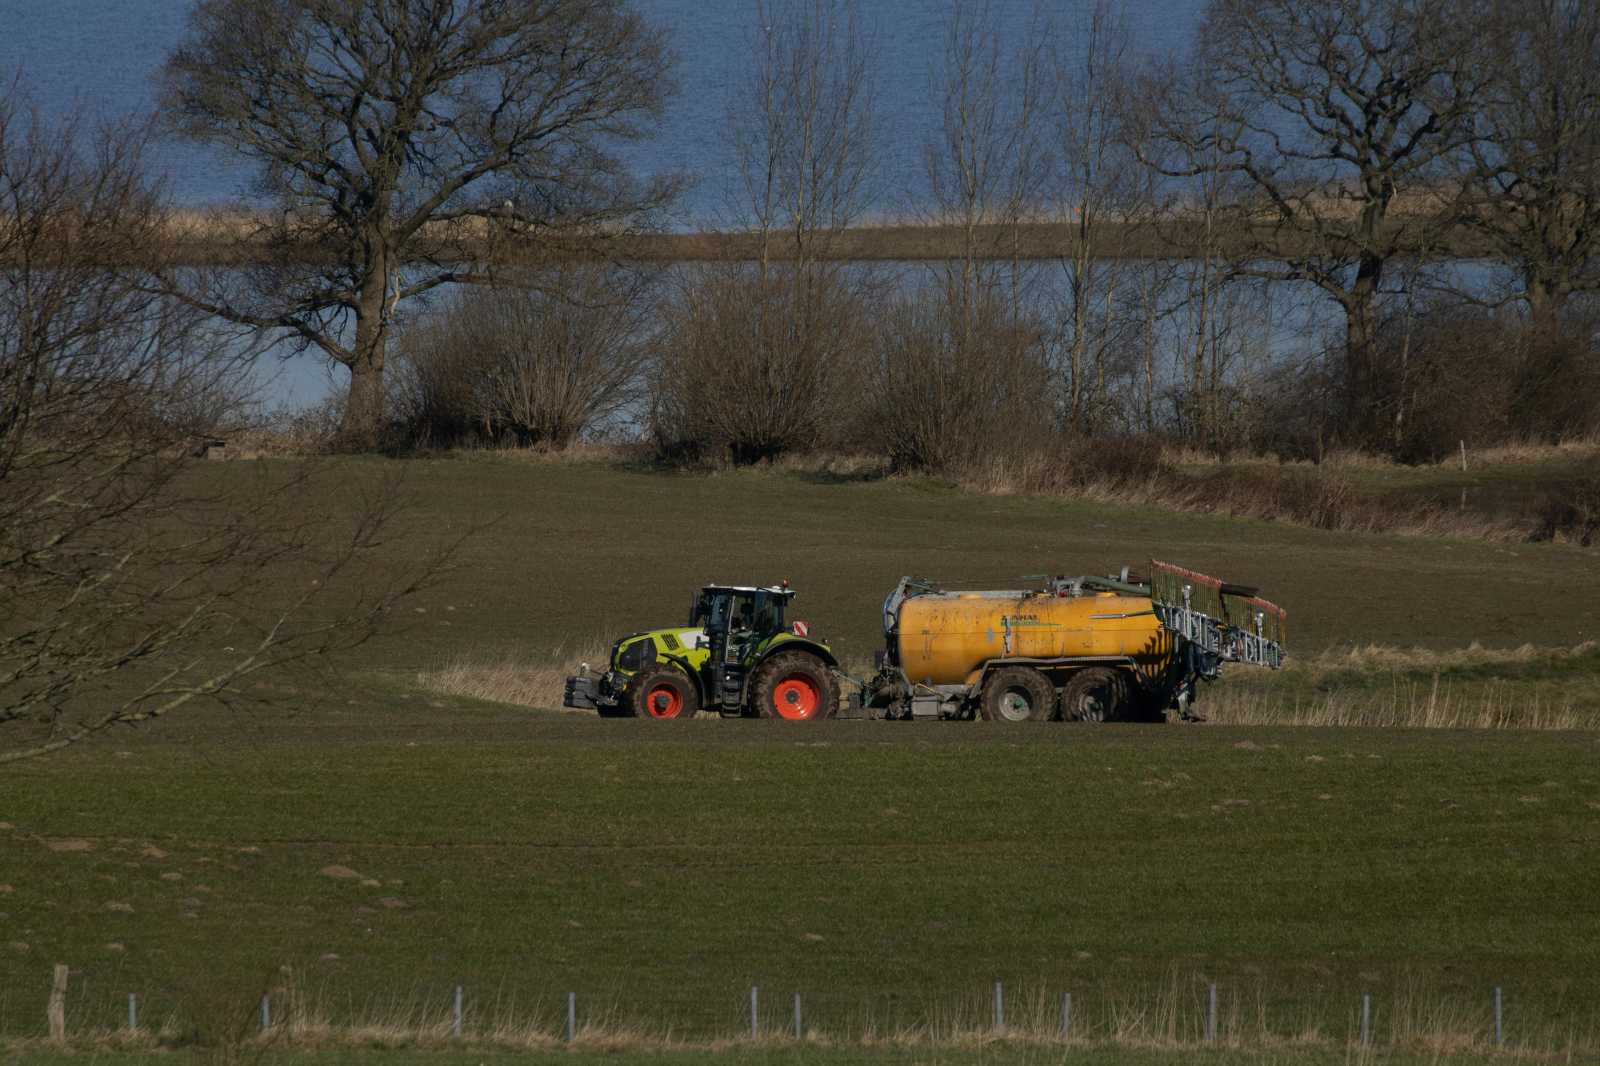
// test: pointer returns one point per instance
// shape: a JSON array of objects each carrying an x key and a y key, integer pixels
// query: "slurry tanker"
[{"x": 1130, "y": 648}]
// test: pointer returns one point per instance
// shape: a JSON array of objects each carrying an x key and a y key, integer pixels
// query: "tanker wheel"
[
  {"x": 1017, "y": 694},
  {"x": 661, "y": 692},
  {"x": 795, "y": 686},
  {"x": 1095, "y": 695}
]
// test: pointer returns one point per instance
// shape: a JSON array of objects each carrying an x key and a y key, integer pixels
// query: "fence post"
[
  {"x": 455, "y": 1022},
  {"x": 266, "y": 1013},
  {"x": 755, "y": 1022},
  {"x": 1366, "y": 1019},
  {"x": 133, "y": 1011},
  {"x": 1066, "y": 1014},
  {"x": 999, "y": 1006},
  {"x": 799, "y": 1031},
  {"x": 572, "y": 1016},
  {"x": 56, "y": 1012},
  {"x": 1499, "y": 1018},
  {"x": 1211, "y": 1014}
]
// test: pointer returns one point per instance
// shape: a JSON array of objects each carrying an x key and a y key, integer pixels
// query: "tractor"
[{"x": 737, "y": 656}]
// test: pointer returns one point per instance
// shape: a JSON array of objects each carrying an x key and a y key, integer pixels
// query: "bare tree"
[
  {"x": 1098, "y": 192},
  {"x": 983, "y": 164},
  {"x": 1536, "y": 162},
  {"x": 1339, "y": 116},
  {"x": 800, "y": 124},
  {"x": 132, "y": 582},
  {"x": 758, "y": 361},
  {"x": 382, "y": 126}
]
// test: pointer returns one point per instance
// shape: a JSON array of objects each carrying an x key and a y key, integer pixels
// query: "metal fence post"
[
  {"x": 266, "y": 1013},
  {"x": 799, "y": 1032},
  {"x": 455, "y": 1022},
  {"x": 1499, "y": 1019},
  {"x": 1366, "y": 1018},
  {"x": 133, "y": 1011},
  {"x": 999, "y": 1006},
  {"x": 1211, "y": 1014},
  {"x": 755, "y": 1020},
  {"x": 572, "y": 1016},
  {"x": 1066, "y": 1014}
]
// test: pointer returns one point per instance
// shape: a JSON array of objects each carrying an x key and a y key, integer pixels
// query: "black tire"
[
  {"x": 1097, "y": 694},
  {"x": 660, "y": 692},
  {"x": 795, "y": 686},
  {"x": 1017, "y": 694}
]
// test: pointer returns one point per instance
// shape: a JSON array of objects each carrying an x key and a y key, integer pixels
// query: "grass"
[
  {"x": 889, "y": 871},
  {"x": 991, "y": 1054}
]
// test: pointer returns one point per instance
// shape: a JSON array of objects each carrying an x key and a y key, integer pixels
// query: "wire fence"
[{"x": 78, "y": 1011}]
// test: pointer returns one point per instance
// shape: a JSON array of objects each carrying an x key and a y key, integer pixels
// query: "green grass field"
[{"x": 890, "y": 872}]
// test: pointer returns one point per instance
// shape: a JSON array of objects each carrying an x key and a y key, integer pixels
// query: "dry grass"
[
  {"x": 534, "y": 682},
  {"x": 1311, "y": 498},
  {"x": 1511, "y": 453},
  {"x": 1419, "y": 695},
  {"x": 1411, "y": 1021},
  {"x": 1382, "y": 658},
  {"x": 1409, "y": 705}
]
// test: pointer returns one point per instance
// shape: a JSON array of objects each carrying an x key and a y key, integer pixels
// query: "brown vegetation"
[{"x": 131, "y": 588}]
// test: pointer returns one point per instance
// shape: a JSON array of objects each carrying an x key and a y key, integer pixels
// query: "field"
[{"x": 356, "y": 842}]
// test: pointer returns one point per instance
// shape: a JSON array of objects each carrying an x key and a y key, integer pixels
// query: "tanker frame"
[{"x": 1121, "y": 648}]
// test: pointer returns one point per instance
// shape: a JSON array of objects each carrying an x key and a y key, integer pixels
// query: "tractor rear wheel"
[
  {"x": 795, "y": 686},
  {"x": 1017, "y": 694},
  {"x": 661, "y": 692},
  {"x": 1097, "y": 694}
]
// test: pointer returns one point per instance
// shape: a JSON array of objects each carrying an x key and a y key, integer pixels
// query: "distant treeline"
[{"x": 1352, "y": 223}]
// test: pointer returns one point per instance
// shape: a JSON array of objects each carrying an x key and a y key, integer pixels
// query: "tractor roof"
[{"x": 774, "y": 589}]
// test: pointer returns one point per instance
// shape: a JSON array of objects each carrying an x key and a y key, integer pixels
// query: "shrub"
[
  {"x": 952, "y": 383},
  {"x": 752, "y": 367},
  {"x": 539, "y": 364}
]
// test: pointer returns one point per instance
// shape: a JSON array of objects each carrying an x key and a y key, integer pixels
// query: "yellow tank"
[{"x": 944, "y": 638}]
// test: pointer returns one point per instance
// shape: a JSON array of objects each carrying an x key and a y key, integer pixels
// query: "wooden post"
[
  {"x": 572, "y": 1016},
  {"x": 755, "y": 1022},
  {"x": 799, "y": 1032},
  {"x": 57, "y": 1012},
  {"x": 1499, "y": 1019},
  {"x": 1366, "y": 1018},
  {"x": 133, "y": 1012},
  {"x": 455, "y": 1021},
  {"x": 999, "y": 1006},
  {"x": 1211, "y": 1015},
  {"x": 1066, "y": 1014},
  {"x": 266, "y": 1013}
]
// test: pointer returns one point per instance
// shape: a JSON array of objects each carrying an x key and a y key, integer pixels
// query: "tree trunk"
[
  {"x": 362, "y": 426},
  {"x": 1360, "y": 351},
  {"x": 1546, "y": 301}
]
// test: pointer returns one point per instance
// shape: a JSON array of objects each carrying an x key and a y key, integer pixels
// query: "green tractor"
[{"x": 737, "y": 657}]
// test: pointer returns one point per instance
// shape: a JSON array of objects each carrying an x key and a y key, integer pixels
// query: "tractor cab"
[
  {"x": 736, "y": 620},
  {"x": 740, "y": 608}
]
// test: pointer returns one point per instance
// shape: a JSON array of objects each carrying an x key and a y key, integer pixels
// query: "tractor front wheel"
[
  {"x": 795, "y": 686},
  {"x": 662, "y": 692}
]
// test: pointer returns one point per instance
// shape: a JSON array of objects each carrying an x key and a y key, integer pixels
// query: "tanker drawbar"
[{"x": 1124, "y": 648}]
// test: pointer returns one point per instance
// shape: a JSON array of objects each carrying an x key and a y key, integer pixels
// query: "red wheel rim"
[
  {"x": 797, "y": 697},
  {"x": 663, "y": 701}
]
